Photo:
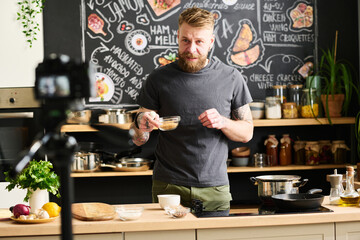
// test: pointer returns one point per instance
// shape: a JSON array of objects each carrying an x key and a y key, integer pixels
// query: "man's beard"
[{"x": 191, "y": 66}]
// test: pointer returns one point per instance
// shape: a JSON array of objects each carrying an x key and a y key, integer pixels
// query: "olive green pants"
[{"x": 214, "y": 198}]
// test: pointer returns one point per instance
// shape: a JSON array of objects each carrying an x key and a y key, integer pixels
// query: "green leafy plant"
[
  {"x": 337, "y": 76},
  {"x": 28, "y": 10},
  {"x": 37, "y": 174}
]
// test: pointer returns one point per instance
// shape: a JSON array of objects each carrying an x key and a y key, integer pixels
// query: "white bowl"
[
  {"x": 169, "y": 200},
  {"x": 127, "y": 213}
]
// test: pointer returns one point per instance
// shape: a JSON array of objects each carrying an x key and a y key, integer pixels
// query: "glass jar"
[
  {"x": 272, "y": 108},
  {"x": 299, "y": 152},
  {"x": 339, "y": 150},
  {"x": 312, "y": 153},
  {"x": 289, "y": 110},
  {"x": 279, "y": 91},
  {"x": 285, "y": 142},
  {"x": 325, "y": 151},
  {"x": 294, "y": 95},
  {"x": 271, "y": 144},
  {"x": 309, "y": 103}
]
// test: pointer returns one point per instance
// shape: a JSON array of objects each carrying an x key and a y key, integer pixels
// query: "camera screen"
[{"x": 54, "y": 86}]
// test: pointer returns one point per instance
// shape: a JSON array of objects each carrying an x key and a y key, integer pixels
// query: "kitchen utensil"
[
  {"x": 31, "y": 221},
  {"x": 116, "y": 116},
  {"x": 336, "y": 187},
  {"x": 240, "y": 152},
  {"x": 86, "y": 162},
  {"x": 168, "y": 200},
  {"x": 299, "y": 201},
  {"x": 93, "y": 211},
  {"x": 83, "y": 116},
  {"x": 240, "y": 161},
  {"x": 269, "y": 185},
  {"x": 129, "y": 165},
  {"x": 127, "y": 213},
  {"x": 169, "y": 123}
]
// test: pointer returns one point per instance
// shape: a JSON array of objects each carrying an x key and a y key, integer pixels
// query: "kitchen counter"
[{"x": 155, "y": 219}]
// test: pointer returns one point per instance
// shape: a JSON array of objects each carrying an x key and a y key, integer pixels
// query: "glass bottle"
[
  {"x": 272, "y": 149},
  {"x": 272, "y": 108},
  {"x": 312, "y": 153},
  {"x": 282, "y": 156},
  {"x": 295, "y": 93},
  {"x": 339, "y": 150},
  {"x": 286, "y": 143},
  {"x": 309, "y": 103},
  {"x": 350, "y": 197},
  {"x": 299, "y": 152}
]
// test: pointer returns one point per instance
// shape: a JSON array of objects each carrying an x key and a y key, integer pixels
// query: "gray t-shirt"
[{"x": 193, "y": 155}]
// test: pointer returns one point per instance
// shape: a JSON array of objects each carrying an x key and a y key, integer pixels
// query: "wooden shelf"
[
  {"x": 230, "y": 170},
  {"x": 257, "y": 123}
]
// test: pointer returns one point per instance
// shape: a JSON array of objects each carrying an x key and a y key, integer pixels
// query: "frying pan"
[{"x": 309, "y": 200}]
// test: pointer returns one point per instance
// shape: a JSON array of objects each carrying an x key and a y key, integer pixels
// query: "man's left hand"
[{"x": 211, "y": 118}]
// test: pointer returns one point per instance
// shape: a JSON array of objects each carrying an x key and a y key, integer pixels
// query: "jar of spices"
[
  {"x": 309, "y": 103},
  {"x": 279, "y": 91},
  {"x": 271, "y": 144},
  {"x": 325, "y": 151},
  {"x": 339, "y": 150},
  {"x": 312, "y": 153},
  {"x": 272, "y": 108},
  {"x": 289, "y": 110},
  {"x": 299, "y": 152},
  {"x": 285, "y": 142}
]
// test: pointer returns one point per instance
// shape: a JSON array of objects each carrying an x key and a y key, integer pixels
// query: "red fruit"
[{"x": 21, "y": 209}]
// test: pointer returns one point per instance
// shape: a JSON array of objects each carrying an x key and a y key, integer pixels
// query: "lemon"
[{"x": 52, "y": 209}]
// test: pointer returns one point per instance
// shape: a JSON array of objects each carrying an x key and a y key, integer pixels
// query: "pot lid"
[{"x": 277, "y": 178}]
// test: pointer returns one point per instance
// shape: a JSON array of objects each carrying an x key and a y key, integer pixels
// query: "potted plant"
[
  {"x": 38, "y": 179},
  {"x": 337, "y": 83}
]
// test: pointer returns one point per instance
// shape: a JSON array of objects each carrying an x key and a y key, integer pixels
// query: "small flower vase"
[{"x": 38, "y": 198}]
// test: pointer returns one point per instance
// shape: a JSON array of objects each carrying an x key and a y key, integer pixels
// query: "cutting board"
[{"x": 93, "y": 211}]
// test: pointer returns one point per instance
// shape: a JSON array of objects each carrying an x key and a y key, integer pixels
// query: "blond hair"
[{"x": 197, "y": 17}]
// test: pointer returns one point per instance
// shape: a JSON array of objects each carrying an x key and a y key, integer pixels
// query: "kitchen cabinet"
[
  {"x": 162, "y": 235},
  {"x": 347, "y": 230},
  {"x": 104, "y": 236},
  {"x": 298, "y": 232}
]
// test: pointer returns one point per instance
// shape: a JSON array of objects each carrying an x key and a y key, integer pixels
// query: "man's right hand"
[{"x": 147, "y": 121}]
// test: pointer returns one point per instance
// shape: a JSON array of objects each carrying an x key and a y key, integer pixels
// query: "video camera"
[
  {"x": 60, "y": 78},
  {"x": 61, "y": 84}
]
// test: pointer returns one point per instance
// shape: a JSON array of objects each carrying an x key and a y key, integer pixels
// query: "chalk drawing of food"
[
  {"x": 104, "y": 87},
  {"x": 245, "y": 49},
  {"x": 96, "y": 24},
  {"x": 165, "y": 58},
  {"x": 137, "y": 42},
  {"x": 302, "y": 16},
  {"x": 162, "y": 6}
]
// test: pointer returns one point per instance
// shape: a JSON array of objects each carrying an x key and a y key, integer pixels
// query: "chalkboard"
[{"x": 268, "y": 41}]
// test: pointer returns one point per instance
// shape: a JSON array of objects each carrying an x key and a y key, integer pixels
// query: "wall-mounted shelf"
[
  {"x": 230, "y": 170},
  {"x": 257, "y": 123}
]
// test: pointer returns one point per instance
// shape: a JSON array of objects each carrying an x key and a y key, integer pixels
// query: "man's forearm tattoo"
[
  {"x": 242, "y": 113},
  {"x": 141, "y": 138}
]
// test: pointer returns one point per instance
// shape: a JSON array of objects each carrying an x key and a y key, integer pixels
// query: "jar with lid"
[
  {"x": 309, "y": 103},
  {"x": 312, "y": 153},
  {"x": 339, "y": 150},
  {"x": 279, "y": 91},
  {"x": 350, "y": 197},
  {"x": 271, "y": 144},
  {"x": 289, "y": 110},
  {"x": 285, "y": 142},
  {"x": 325, "y": 151},
  {"x": 294, "y": 95},
  {"x": 272, "y": 108},
  {"x": 299, "y": 152}
]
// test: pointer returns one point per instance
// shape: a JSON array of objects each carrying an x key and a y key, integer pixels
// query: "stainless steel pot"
[
  {"x": 86, "y": 162},
  {"x": 116, "y": 116},
  {"x": 269, "y": 185}
]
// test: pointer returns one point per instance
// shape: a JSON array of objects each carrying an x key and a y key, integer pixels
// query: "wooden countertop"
[{"x": 155, "y": 219}]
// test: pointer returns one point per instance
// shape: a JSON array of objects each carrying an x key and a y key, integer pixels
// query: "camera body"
[{"x": 60, "y": 78}]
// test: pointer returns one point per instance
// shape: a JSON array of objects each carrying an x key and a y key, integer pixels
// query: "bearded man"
[{"x": 212, "y": 100}]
